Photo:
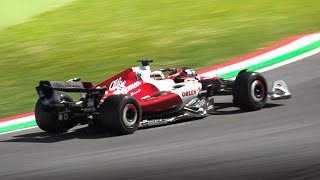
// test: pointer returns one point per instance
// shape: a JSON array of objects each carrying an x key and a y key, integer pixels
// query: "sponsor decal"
[
  {"x": 136, "y": 92},
  {"x": 61, "y": 84},
  {"x": 189, "y": 93},
  {"x": 120, "y": 86}
]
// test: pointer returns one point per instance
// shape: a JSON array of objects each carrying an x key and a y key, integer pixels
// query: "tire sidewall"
[
  {"x": 257, "y": 78},
  {"x": 44, "y": 118},
  {"x": 129, "y": 100},
  {"x": 111, "y": 114},
  {"x": 242, "y": 91}
]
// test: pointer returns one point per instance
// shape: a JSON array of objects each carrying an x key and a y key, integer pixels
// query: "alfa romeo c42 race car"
[{"x": 138, "y": 97}]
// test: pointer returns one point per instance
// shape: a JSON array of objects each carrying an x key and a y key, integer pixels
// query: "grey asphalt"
[{"x": 282, "y": 141}]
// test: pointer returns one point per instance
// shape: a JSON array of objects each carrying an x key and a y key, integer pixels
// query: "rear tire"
[
  {"x": 250, "y": 91},
  {"x": 46, "y": 118},
  {"x": 120, "y": 114}
]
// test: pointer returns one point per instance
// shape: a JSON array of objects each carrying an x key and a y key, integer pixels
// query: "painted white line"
[
  {"x": 19, "y": 130},
  {"x": 297, "y": 58},
  {"x": 291, "y": 60},
  {"x": 212, "y": 73},
  {"x": 267, "y": 56},
  {"x": 17, "y": 121},
  {"x": 272, "y": 54}
]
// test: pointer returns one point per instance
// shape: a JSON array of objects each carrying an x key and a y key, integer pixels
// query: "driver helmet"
[
  {"x": 190, "y": 72},
  {"x": 157, "y": 75}
]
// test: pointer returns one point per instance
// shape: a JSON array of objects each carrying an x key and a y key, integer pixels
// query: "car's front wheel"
[{"x": 250, "y": 91}]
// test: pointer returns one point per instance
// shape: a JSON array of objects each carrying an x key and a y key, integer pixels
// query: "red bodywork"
[{"x": 150, "y": 98}]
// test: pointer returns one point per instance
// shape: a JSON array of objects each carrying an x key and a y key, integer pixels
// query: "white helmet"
[{"x": 157, "y": 75}]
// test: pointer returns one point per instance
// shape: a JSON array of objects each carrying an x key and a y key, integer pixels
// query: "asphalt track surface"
[{"x": 281, "y": 141}]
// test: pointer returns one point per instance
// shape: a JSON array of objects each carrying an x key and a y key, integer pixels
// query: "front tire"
[
  {"x": 250, "y": 91},
  {"x": 120, "y": 114}
]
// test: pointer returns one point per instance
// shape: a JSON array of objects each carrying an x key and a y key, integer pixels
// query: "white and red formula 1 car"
[{"x": 138, "y": 97}]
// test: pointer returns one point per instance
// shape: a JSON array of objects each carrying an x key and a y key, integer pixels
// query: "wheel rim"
[
  {"x": 257, "y": 91},
  {"x": 130, "y": 115}
]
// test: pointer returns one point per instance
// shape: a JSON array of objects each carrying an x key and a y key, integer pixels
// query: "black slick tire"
[
  {"x": 120, "y": 114},
  {"x": 250, "y": 91},
  {"x": 46, "y": 118}
]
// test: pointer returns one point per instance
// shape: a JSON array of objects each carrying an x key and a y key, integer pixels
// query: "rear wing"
[
  {"x": 48, "y": 92},
  {"x": 66, "y": 86}
]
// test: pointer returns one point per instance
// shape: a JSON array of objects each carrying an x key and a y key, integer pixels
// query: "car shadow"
[
  {"x": 44, "y": 137},
  {"x": 229, "y": 109},
  {"x": 219, "y": 109},
  {"x": 98, "y": 133}
]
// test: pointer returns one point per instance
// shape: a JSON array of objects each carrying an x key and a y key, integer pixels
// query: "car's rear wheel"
[
  {"x": 47, "y": 120},
  {"x": 120, "y": 114},
  {"x": 250, "y": 91}
]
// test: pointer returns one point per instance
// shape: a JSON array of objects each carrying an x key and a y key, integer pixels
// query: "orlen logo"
[
  {"x": 189, "y": 93},
  {"x": 119, "y": 85}
]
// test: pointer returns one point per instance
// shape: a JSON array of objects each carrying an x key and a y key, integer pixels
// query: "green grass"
[
  {"x": 17, "y": 11},
  {"x": 96, "y": 39}
]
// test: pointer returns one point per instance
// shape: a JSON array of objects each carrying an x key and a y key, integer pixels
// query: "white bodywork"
[
  {"x": 187, "y": 91},
  {"x": 279, "y": 91}
]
